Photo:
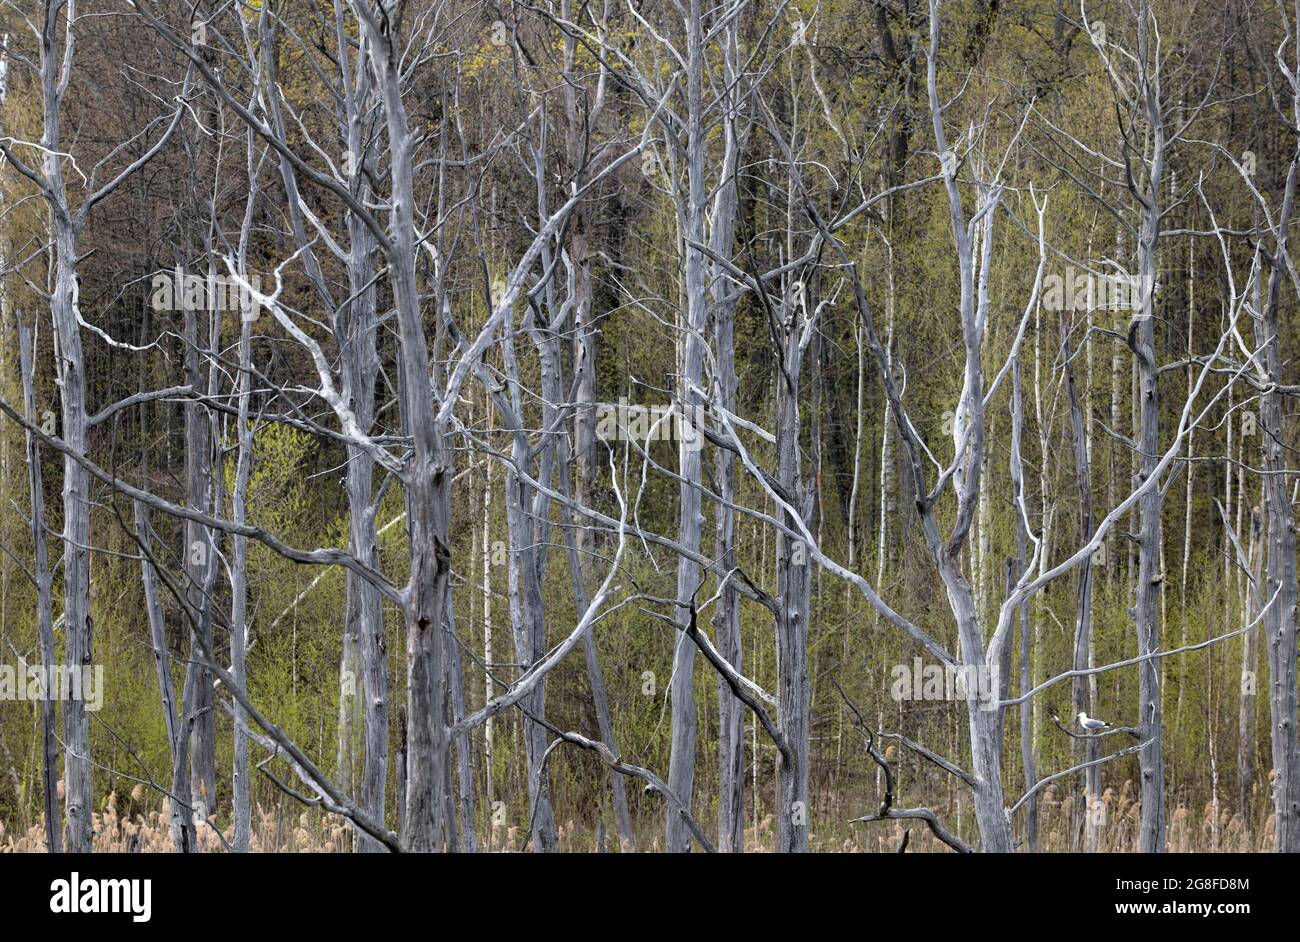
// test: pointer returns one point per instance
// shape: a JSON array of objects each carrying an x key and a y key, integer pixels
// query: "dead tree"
[{"x": 56, "y": 30}]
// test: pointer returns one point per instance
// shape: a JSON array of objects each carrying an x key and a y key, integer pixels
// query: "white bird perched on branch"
[{"x": 1090, "y": 725}]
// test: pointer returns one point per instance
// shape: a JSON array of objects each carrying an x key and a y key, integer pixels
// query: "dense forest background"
[{"x": 741, "y": 209}]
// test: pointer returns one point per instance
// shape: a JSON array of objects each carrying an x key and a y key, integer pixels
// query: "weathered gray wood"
[
  {"x": 71, "y": 379},
  {"x": 690, "y": 517},
  {"x": 199, "y": 548},
  {"x": 239, "y": 629},
  {"x": 1280, "y": 624},
  {"x": 428, "y": 484},
  {"x": 794, "y": 597},
  {"x": 1087, "y": 810},
  {"x": 726, "y": 619},
  {"x": 44, "y": 597},
  {"x": 1028, "y": 757},
  {"x": 1142, "y": 340}
]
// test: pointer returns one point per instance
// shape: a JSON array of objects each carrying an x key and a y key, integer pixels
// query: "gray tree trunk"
[
  {"x": 44, "y": 600},
  {"x": 71, "y": 379},
  {"x": 429, "y": 470},
  {"x": 726, "y": 618},
  {"x": 1027, "y": 757},
  {"x": 1087, "y": 750},
  {"x": 199, "y": 549},
  {"x": 690, "y": 516},
  {"x": 1281, "y": 620},
  {"x": 793, "y": 598}
]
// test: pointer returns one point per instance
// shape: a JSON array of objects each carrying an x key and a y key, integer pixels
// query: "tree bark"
[{"x": 44, "y": 602}]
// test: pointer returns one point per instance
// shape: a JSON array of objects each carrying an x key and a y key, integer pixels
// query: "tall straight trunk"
[
  {"x": 1227, "y": 502},
  {"x": 1151, "y": 763},
  {"x": 199, "y": 563},
  {"x": 1044, "y": 483},
  {"x": 428, "y": 522},
  {"x": 44, "y": 600},
  {"x": 1151, "y": 718},
  {"x": 793, "y": 581},
  {"x": 489, "y": 756},
  {"x": 726, "y": 618},
  {"x": 582, "y": 108},
  {"x": 1188, "y": 490},
  {"x": 1083, "y": 613},
  {"x": 462, "y": 810},
  {"x": 1142, "y": 341},
  {"x": 428, "y": 474},
  {"x": 239, "y": 782},
  {"x": 1112, "y": 479},
  {"x": 888, "y": 504},
  {"x": 78, "y": 656},
  {"x": 530, "y": 646},
  {"x": 1249, "y": 663},
  {"x": 1026, "y": 671},
  {"x": 1281, "y": 621},
  {"x": 690, "y": 519},
  {"x": 793, "y": 597},
  {"x": 70, "y": 376},
  {"x": 1191, "y": 438},
  {"x": 359, "y": 366}
]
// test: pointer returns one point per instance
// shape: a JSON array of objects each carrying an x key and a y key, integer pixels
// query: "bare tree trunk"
[
  {"x": 199, "y": 550},
  {"x": 55, "y": 64},
  {"x": 44, "y": 602},
  {"x": 984, "y": 723},
  {"x": 489, "y": 756},
  {"x": 1150, "y": 576},
  {"x": 78, "y": 797},
  {"x": 690, "y": 520},
  {"x": 1249, "y": 664},
  {"x": 726, "y": 618},
  {"x": 1083, "y": 615},
  {"x": 239, "y": 782},
  {"x": 429, "y": 471},
  {"x": 463, "y": 810},
  {"x": 1142, "y": 340},
  {"x": 1026, "y": 674},
  {"x": 360, "y": 365},
  {"x": 55, "y": 60},
  {"x": 71, "y": 379},
  {"x": 793, "y": 596},
  {"x": 888, "y": 505},
  {"x": 1280, "y": 623}
]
